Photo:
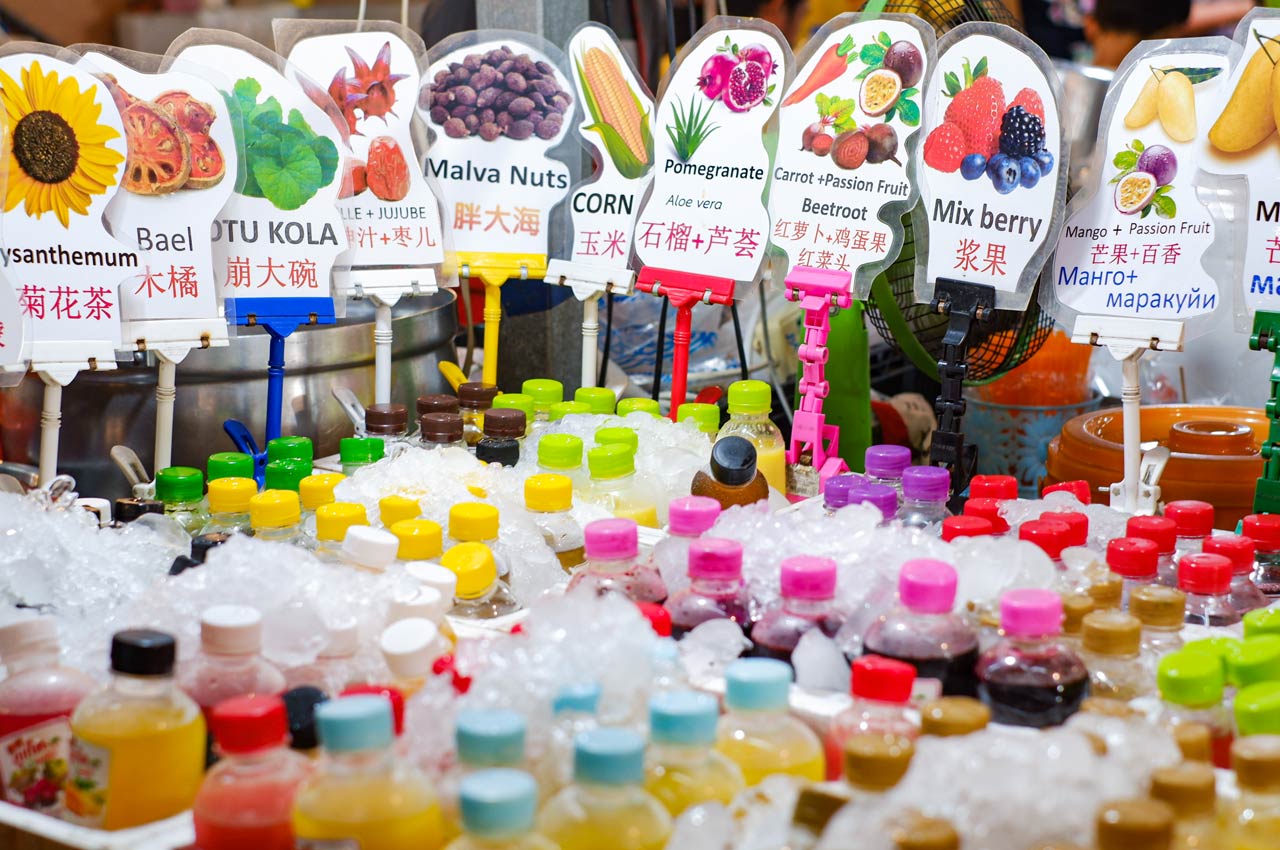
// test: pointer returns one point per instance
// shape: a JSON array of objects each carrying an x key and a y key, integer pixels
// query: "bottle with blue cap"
[
  {"x": 361, "y": 795},
  {"x": 607, "y": 804},
  {"x": 498, "y": 807},
  {"x": 484, "y": 740},
  {"x": 575, "y": 709},
  {"x": 684, "y": 767},
  {"x": 757, "y": 732}
]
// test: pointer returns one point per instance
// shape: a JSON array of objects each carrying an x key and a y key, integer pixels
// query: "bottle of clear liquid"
[
  {"x": 291, "y": 448},
  {"x": 390, "y": 424},
  {"x": 1029, "y": 678},
  {"x": 435, "y": 403},
  {"x": 138, "y": 745},
  {"x": 477, "y": 522},
  {"x": 1002, "y": 488},
  {"x": 562, "y": 409},
  {"x": 1161, "y": 611},
  {"x": 544, "y": 392},
  {"x": 230, "y": 662},
  {"x": 1077, "y": 525},
  {"x": 757, "y": 732},
  {"x": 1191, "y": 685},
  {"x": 394, "y": 508},
  {"x": 1050, "y": 535},
  {"x": 246, "y": 800},
  {"x": 484, "y": 739},
  {"x": 1251, "y": 821},
  {"x": 285, "y": 474},
  {"x": 606, "y": 805},
  {"x": 1194, "y": 522},
  {"x": 479, "y": 594},
  {"x": 880, "y": 496},
  {"x": 369, "y": 548},
  {"x": 1163, "y": 532},
  {"x": 885, "y": 464},
  {"x": 808, "y": 602},
  {"x": 420, "y": 540},
  {"x": 332, "y": 522},
  {"x": 600, "y": 401},
  {"x": 181, "y": 489},
  {"x": 615, "y": 488},
  {"x": 1190, "y": 790},
  {"x": 1136, "y": 561},
  {"x": 1264, "y": 531},
  {"x": 612, "y": 566},
  {"x": 355, "y": 453},
  {"x": 561, "y": 454},
  {"x": 923, "y": 631},
  {"x": 410, "y": 648},
  {"x": 228, "y": 465},
  {"x": 835, "y": 493},
  {"x": 648, "y": 406},
  {"x": 955, "y": 527},
  {"x": 684, "y": 767},
  {"x": 503, "y": 437},
  {"x": 334, "y": 667},
  {"x": 549, "y": 500},
  {"x": 620, "y": 435},
  {"x": 474, "y": 401},
  {"x": 734, "y": 478},
  {"x": 750, "y": 403},
  {"x": 1241, "y": 552},
  {"x": 988, "y": 509},
  {"x": 498, "y": 809},
  {"x": 1134, "y": 825},
  {"x": 229, "y": 505},
  {"x": 520, "y": 402},
  {"x": 1075, "y": 607},
  {"x": 361, "y": 795},
  {"x": 314, "y": 491},
  {"x": 705, "y": 416},
  {"x": 441, "y": 431},
  {"x": 36, "y": 701},
  {"x": 924, "y": 497},
  {"x": 881, "y": 689},
  {"x": 688, "y": 518},
  {"x": 1206, "y": 579},
  {"x": 1112, "y": 650}
]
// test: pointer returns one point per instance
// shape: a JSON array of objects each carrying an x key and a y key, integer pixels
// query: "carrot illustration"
[{"x": 832, "y": 64}]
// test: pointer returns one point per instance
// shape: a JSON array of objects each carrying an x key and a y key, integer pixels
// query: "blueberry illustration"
[
  {"x": 993, "y": 165},
  {"x": 1045, "y": 160},
  {"x": 1030, "y": 175},
  {"x": 973, "y": 166},
  {"x": 1007, "y": 179}
]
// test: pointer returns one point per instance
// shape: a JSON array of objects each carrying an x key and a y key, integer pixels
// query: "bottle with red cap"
[
  {"x": 881, "y": 689},
  {"x": 955, "y": 527},
  {"x": 999, "y": 487},
  {"x": 1264, "y": 531},
  {"x": 988, "y": 509},
  {"x": 808, "y": 602},
  {"x": 1206, "y": 580},
  {"x": 246, "y": 800},
  {"x": 715, "y": 591},
  {"x": 612, "y": 547},
  {"x": 1050, "y": 535},
  {"x": 1163, "y": 532},
  {"x": 1078, "y": 488},
  {"x": 1241, "y": 552},
  {"x": 1075, "y": 521},
  {"x": 1029, "y": 678},
  {"x": 924, "y": 632},
  {"x": 1136, "y": 561},
  {"x": 688, "y": 518},
  {"x": 1194, "y": 520}
]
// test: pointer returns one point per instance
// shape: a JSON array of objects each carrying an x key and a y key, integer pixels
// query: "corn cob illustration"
[{"x": 616, "y": 110}]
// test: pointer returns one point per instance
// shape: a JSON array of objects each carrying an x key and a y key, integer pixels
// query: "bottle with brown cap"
[
  {"x": 1189, "y": 788},
  {"x": 947, "y": 717},
  {"x": 436, "y": 403},
  {"x": 503, "y": 436},
  {"x": 922, "y": 833},
  {"x": 815, "y": 807},
  {"x": 441, "y": 430},
  {"x": 1075, "y": 607},
  {"x": 1161, "y": 610},
  {"x": 1110, "y": 648},
  {"x": 389, "y": 423},
  {"x": 1106, "y": 592},
  {"x": 875, "y": 764},
  {"x": 1252, "y": 820},
  {"x": 1195, "y": 741},
  {"x": 1134, "y": 825},
  {"x": 474, "y": 400}
]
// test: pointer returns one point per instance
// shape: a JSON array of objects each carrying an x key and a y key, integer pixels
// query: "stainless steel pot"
[
  {"x": 1083, "y": 90},
  {"x": 109, "y": 408}
]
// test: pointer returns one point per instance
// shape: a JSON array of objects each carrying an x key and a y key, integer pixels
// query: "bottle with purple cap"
[
  {"x": 880, "y": 496},
  {"x": 885, "y": 465},
  {"x": 808, "y": 602},
  {"x": 923, "y": 631},
  {"x": 835, "y": 493},
  {"x": 924, "y": 497},
  {"x": 688, "y": 518},
  {"x": 715, "y": 590},
  {"x": 612, "y": 566}
]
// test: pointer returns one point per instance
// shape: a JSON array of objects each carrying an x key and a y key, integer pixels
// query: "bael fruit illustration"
[
  {"x": 169, "y": 143},
  {"x": 386, "y": 172},
  {"x": 1249, "y": 116},
  {"x": 498, "y": 93},
  {"x": 1145, "y": 180}
]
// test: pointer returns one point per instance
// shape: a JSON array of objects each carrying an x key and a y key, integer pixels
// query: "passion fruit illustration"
[
  {"x": 1134, "y": 191},
  {"x": 905, "y": 60},
  {"x": 879, "y": 91},
  {"x": 1160, "y": 163}
]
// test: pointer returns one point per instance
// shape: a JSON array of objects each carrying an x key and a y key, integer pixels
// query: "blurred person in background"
[{"x": 1114, "y": 27}]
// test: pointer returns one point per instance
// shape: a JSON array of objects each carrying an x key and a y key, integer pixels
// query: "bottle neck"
[
  {"x": 172, "y": 507},
  {"x": 284, "y": 534},
  {"x": 615, "y": 482},
  {"x": 141, "y": 687},
  {"x": 229, "y": 516},
  {"x": 362, "y": 761},
  {"x": 715, "y": 587},
  {"x": 432, "y": 444},
  {"x": 749, "y": 418},
  {"x": 620, "y": 565},
  {"x": 918, "y": 503},
  {"x": 263, "y": 759},
  {"x": 681, "y": 755},
  {"x": 614, "y": 794},
  {"x": 806, "y": 607}
]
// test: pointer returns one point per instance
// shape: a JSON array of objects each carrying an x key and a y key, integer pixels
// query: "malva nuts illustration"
[
  {"x": 498, "y": 93},
  {"x": 738, "y": 77},
  {"x": 1168, "y": 95},
  {"x": 1250, "y": 116},
  {"x": 617, "y": 113},
  {"x": 370, "y": 92},
  {"x": 169, "y": 143},
  {"x": 1145, "y": 180}
]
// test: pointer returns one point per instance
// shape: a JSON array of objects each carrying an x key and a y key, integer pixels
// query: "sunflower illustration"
[{"x": 58, "y": 156}]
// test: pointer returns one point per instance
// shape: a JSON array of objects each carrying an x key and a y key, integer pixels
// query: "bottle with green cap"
[
  {"x": 181, "y": 489},
  {"x": 544, "y": 392},
  {"x": 484, "y": 739},
  {"x": 628, "y": 406},
  {"x": 750, "y": 403},
  {"x": 615, "y": 487},
  {"x": 1264, "y": 621},
  {"x": 684, "y": 767},
  {"x": 276, "y": 515},
  {"x": 561, "y": 409},
  {"x": 1191, "y": 685},
  {"x": 498, "y": 808},
  {"x": 705, "y": 416},
  {"x": 1257, "y": 709},
  {"x": 291, "y": 448},
  {"x": 358, "y": 452},
  {"x": 1255, "y": 661},
  {"x": 332, "y": 522},
  {"x": 549, "y": 499},
  {"x": 561, "y": 454},
  {"x": 606, "y": 805},
  {"x": 478, "y": 595},
  {"x": 620, "y": 435},
  {"x": 757, "y": 731},
  {"x": 229, "y": 505},
  {"x": 285, "y": 474},
  {"x": 228, "y": 465},
  {"x": 600, "y": 401}
]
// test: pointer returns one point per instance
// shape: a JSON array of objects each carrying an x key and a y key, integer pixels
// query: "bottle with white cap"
[
  {"x": 369, "y": 548},
  {"x": 484, "y": 739},
  {"x": 230, "y": 662},
  {"x": 410, "y": 649},
  {"x": 426, "y": 603},
  {"x": 334, "y": 667},
  {"x": 498, "y": 808}
]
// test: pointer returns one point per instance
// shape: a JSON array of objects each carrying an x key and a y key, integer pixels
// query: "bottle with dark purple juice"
[
  {"x": 808, "y": 602},
  {"x": 715, "y": 590},
  {"x": 1264, "y": 531},
  {"x": 1029, "y": 678}
]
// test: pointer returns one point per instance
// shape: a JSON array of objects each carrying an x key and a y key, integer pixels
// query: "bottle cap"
[
  {"x": 1031, "y": 612},
  {"x": 548, "y": 493},
  {"x": 1077, "y": 606},
  {"x": 333, "y": 520},
  {"x": 231, "y": 630},
  {"x": 274, "y": 509},
  {"x": 733, "y": 461},
  {"x": 1159, "y": 606},
  {"x": 1192, "y": 518},
  {"x": 1134, "y": 825},
  {"x": 419, "y": 539},
  {"x": 690, "y": 516},
  {"x": 504, "y": 423},
  {"x": 355, "y": 450},
  {"x": 705, "y": 416},
  {"x": 1000, "y": 487},
  {"x": 927, "y": 586},
  {"x": 474, "y": 566},
  {"x": 1078, "y": 488},
  {"x": 544, "y": 392},
  {"x": 611, "y": 461},
  {"x": 1190, "y": 678},
  {"x": 393, "y": 509},
  {"x": 609, "y": 756},
  {"x": 473, "y": 522},
  {"x": 1161, "y": 531},
  {"x": 835, "y": 493},
  {"x": 475, "y": 395},
  {"x": 599, "y": 400},
  {"x": 628, "y": 406},
  {"x": 179, "y": 484},
  {"x": 1106, "y": 593},
  {"x": 882, "y": 679},
  {"x": 355, "y": 724},
  {"x": 423, "y": 602},
  {"x": 143, "y": 652},
  {"x": 1263, "y": 621},
  {"x": 370, "y": 547},
  {"x": 715, "y": 559},
  {"x": 758, "y": 684},
  {"x": 659, "y": 618},
  {"x": 815, "y": 807},
  {"x": 344, "y": 639},
  {"x": 611, "y": 539},
  {"x": 1220, "y": 647},
  {"x": 882, "y": 497},
  {"x": 231, "y": 495},
  {"x": 560, "y": 451},
  {"x": 290, "y": 448},
  {"x": 128, "y": 509},
  {"x": 809, "y": 577},
  {"x": 490, "y": 737},
  {"x": 28, "y": 634},
  {"x": 561, "y": 409},
  {"x": 1204, "y": 574},
  {"x": 1112, "y": 632},
  {"x": 228, "y": 465},
  {"x": 410, "y": 647},
  {"x": 926, "y": 834},
  {"x": 316, "y": 490},
  {"x": 1256, "y": 761},
  {"x": 750, "y": 398},
  {"x": 249, "y": 723},
  {"x": 1133, "y": 557},
  {"x": 620, "y": 436},
  {"x": 436, "y": 403},
  {"x": 1257, "y": 709},
  {"x": 877, "y": 762},
  {"x": 440, "y": 428},
  {"x": 1263, "y": 530},
  {"x": 300, "y": 706},
  {"x": 1195, "y": 741},
  {"x": 579, "y": 698},
  {"x": 434, "y": 576},
  {"x": 1107, "y": 707},
  {"x": 392, "y": 695},
  {"x": 947, "y": 717},
  {"x": 497, "y": 803},
  {"x": 1256, "y": 660},
  {"x": 988, "y": 509},
  {"x": 285, "y": 474},
  {"x": 515, "y": 401},
  {"x": 925, "y": 483},
  {"x": 1240, "y": 551},
  {"x": 886, "y": 461},
  {"x": 1077, "y": 522},
  {"x": 683, "y": 718},
  {"x": 954, "y": 527},
  {"x": 386, "y": 419},
  {"x": 1049, "y": 534},
  {"x": 503, "y": 451}
]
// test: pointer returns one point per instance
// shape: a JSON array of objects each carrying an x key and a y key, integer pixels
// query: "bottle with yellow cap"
[
  {"x": 1134, "y": 825},
  {"x": 276, "y": 515},
  {"x": 921, "y": 833},
  {"x": 615, "y": 488},
  {"x": 181, "y": 489},
  {"x": 1190, "y": 789},
  {"x": 1160, "y": 609},
  {"x": 229, "y": 505},
  {"x": 1251, "y": 821},
  {"x": 332, "y": 522},
  {"x": 1111, "y": 649},
  {"x": 479, "y": 594},
  {"x": 477, "y": 522},
  {"x": 393, "y": 509},
  {"x": 314, "y": 491},
  {"x": 549, "y": 498},
  {"x": 420, "y": 539},
  {"x": 561, "y": 454},
  {"x": 750, "y": 403},
  {"x": 1191, "y": 684}
]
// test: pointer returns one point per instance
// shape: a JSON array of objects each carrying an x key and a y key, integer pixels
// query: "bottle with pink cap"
[
  {"x": 924, "y": 497},
  {"x": 1029, "y": 678},
  {"x": 1206, "y": 579},
  {"x": 922, "y": 630},
  {"x": 1163, "y": 532},
  {"x": 1136, "y": 561},
  {"x": 881, "y": 689},
  {"x": 808, "y": 602},
  {"x": 1194, "y": 521},
  {"x": 612, "y": 550},
  {"x": 1264, "y": 531},
  {"x": 715, "y": 590},
  {"x": 688, "y": 518},
  {"x": 1241, "y": 552}
]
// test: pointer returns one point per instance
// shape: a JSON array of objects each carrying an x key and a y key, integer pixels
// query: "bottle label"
[
  {"x": 33, "y": 765},
  {"x": 85, "y": 792},
  {"x": 326, "y": 844}
]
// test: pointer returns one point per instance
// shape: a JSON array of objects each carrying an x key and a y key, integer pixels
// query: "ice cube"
[{"x": 819, "y": 663}]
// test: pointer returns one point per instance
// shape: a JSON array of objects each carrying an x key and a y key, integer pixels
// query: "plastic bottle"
[
  {"x": 948, "y": 717},
  {"x": 923, "y": 632},
  {"x": 369, "y": 548},
  {"x": 410, "y": 647},
  {"x": 360, "y": 793},
  {"x": 229, "y": 505},
  {"x": 1075, "y": 607},
  {"x": 285, "y": 474},
  {"x": 520, "y": 402},
  {"x": 435, "y": 403},
  {"x": 474, "y": 401},
  {"x": 562, "y": 409},
  {"x": 1134, "y": 825},
  {"x": 757, "y": 732},
  {"x": 1161, "y": 610},
  {"x": 181, "y": 489},
  {"x": 573, "y": 713},
  {"x": 1241, "y": 552},
  {"x": 358, "y": 452},
  {"x": 549, "y": 500},
  {"x": 874, "y": 764},
  {"x": 1136, "y": 561},
  {"x": 750, "y": 403},
  {"x": 230, "y": 662},
  {"x": 498, "y": 809},
  {"x": 884, "y": 464},
  {"x": 684, "y": 767},
  {"x": 126, "y": 510},
  {"x": 808, "y": 602},
  {"x": 879, "y": 496},
  {"x": 1251, "y": 821},
  {"x": 420, "y": 540},
  {"x": 201, "y": 545},
  {"x": 138, "y": 745},
  {"x": 628, "y": 406},
  {"x": 881, "y": 689},
  {"x": 988, "y": 509},
  {"x": 246, "y": 800},
  {"x": 1256, "y": 709},
  {"x": 612, "y": 549},
  {"x": 1263, "y": 622},
  {"x": 228, "y": 465},
  {"x": 924, "y": 496},
  {"x": 814, "y": 808},
  {"x": 441, "y": 431},
  {"x": 484, "y": 739},
  {"x": 1050, "y": 535},
  {"x": 1163, "y": 532},
  {"x": 1112, "y": 650},
  {"x": 1194, "y": 521},
  {"x": 1191, "y": 685},
  {"x": 606, "y": 806},
  {"x": 479, "y": 594},
  {"x": 1255, "y": 661},
  {"x": 1029, "y": 678},
  {"x": 1077, "y": 525},
  {"x": 688, "y": 518},
  {"x": 1264, "y": 531},
  {"x": 388, "y": 423},
  {"x": 544, "y": 392},
  {"x": 600, "y": 401},
  {"x": 835, "y": 493},
  {"x": 36, "y": 700},
  {"x": 922, "y": 833},
  {"x": 300, "y": 704},
  {"x": 615, "y": 488},
  {"x": 334, "y": 666},
  {"x": 332, "y": 522},
  {"x": 734, "y": 478},
  {"x": 620, "y": 435},
  {"x": 291, "y": 448},
  {"x": 716, "y": 590},
  {"x": 955, "y": 527},
  {"x": 1206, "y": 579},
  {"x": 477, "y": 522},
  {"x": 705, "y": 416},
  {"x": 999, "y": 487},
  {"x": 503, "y": 436},
  {"x": 314, "y": 491}
]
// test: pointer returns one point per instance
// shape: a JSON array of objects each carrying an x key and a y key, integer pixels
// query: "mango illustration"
[
  {"x": 1249, "y": 116},
  {"x": 1143, "y": 111},
  {"x": 1176, "y": 106}
]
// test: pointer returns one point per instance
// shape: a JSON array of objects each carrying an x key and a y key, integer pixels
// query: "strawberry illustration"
[
  {"x": 976, "y": 107},
  {"x": 1030, "y": 101},
  {"x": 945, "y": 148}
]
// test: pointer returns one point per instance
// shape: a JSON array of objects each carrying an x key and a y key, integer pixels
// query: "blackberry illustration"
[{"x": 1021, "y": 133}]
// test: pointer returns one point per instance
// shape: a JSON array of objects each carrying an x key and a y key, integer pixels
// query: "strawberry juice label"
[{"x": 34, "y": 765}]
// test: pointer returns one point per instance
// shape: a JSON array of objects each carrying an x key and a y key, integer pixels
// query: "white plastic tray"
[{"x": 23, "y": 829}]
